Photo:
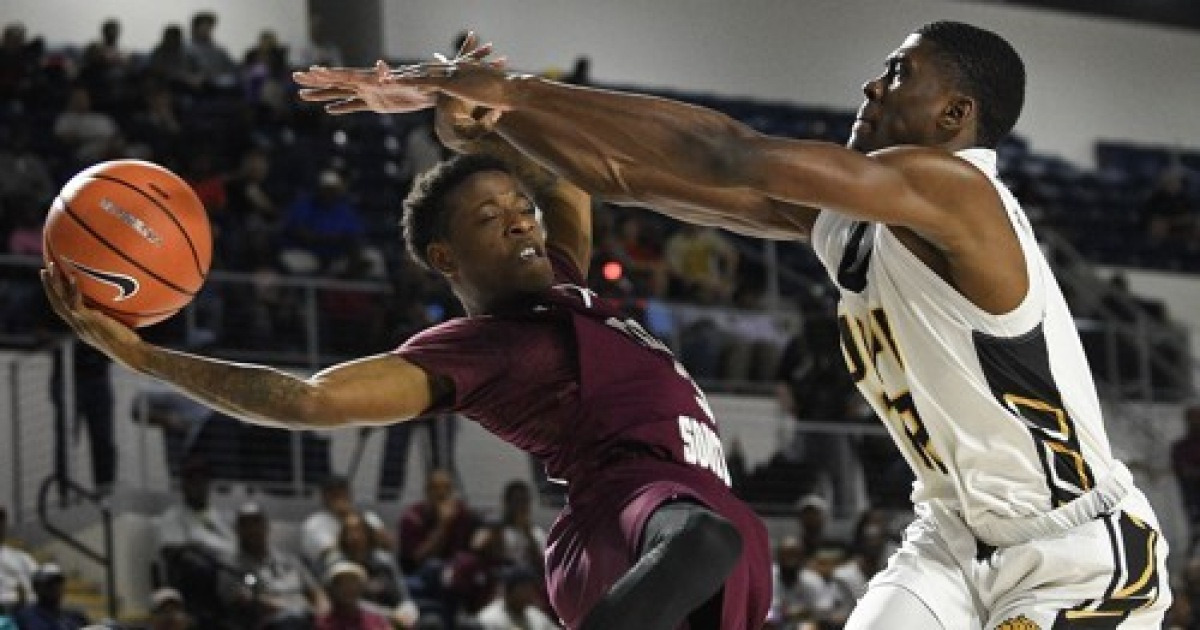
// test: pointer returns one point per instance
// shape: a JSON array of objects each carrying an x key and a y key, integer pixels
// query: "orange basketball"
[{"x": 134, "y": 236}]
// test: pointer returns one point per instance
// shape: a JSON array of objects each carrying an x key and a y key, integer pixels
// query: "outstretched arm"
[{"x": 372, "y": 390}]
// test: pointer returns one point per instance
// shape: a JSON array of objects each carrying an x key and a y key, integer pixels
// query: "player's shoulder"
[{"x": 930, "y": 163}]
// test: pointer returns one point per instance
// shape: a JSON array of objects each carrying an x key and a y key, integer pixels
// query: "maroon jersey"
[{"x": 609, "y": 410}]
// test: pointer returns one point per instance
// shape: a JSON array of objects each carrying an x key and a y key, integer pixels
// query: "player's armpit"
[{"x": 379, "y": 389}]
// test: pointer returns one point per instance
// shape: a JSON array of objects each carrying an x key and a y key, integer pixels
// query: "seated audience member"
[
  {"x": 647, "y": 268},
  {"x": 344, "y": 583},
  {"x": 824, "y": 601},
  {"x": 27, "y": 180},
  {"x": 320, "y": 230},
  {"x": 168, "y": 612},
  {"x": 268, "y": 589},
  {"x": 517, "y": 606},
  {"x": 47, "y": 612},
  {"x": 264, "y": 70},
  {"x": 702, "y": 263},
  {"x": 473, "y": 576},
  {"x": 385, "y": 585},
  {"x": 90, "y": 136},
  {"x": 105, "y": 69},
  {"x": 321, "y": 529},
  {"x": 524, "y": 540},
  {"x": 16, "y": 571},
  {"x": 787, "y": 606},
  {"x": 216, "y": 68},
  {"x": 171, "y": 61},
  {"x": 870, "y": 551},
  {"x": 193, "y": 539},
  {"x": 434, "y": 530}
]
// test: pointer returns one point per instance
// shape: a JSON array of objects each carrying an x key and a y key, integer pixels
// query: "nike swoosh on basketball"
[{"x": 126, "y": 285}]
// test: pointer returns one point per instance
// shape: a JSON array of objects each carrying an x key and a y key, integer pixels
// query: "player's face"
[
  {"x": 496, "y": 237},
  {"x": 904, "y": 104}
]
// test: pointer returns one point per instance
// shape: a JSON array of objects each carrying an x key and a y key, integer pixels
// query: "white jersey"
[{"x": 996, "y": 414}]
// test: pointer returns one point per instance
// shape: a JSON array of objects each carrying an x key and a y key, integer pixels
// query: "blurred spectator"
[
  {"x": 216, "y": 68},
  {"x": 208, "y": 182},
  {"x": 168, "y": 612},
  {"x": 524, "y": 540},
  {"x": 16, "y": 571},
  {"x": 1185, "y": 459},
  {"x": 265, "y": 70},
  {"x": 1170, "y": 214},
  {"x": 48, "y": 612},
  {"x": 825, "y": 602},
  {"x": 321, "y": 529},
  {"x": 869, "y": 552},
  {"x": 25, "y": 239},
  {"x": 104, "y": 68},
  {"x": 27, "y": 180},
  {"x": 813, "y": 520},
  {"x": 321, "y": 230},
  {"x": 474, "y": 575},
  {"x": 434, "y": 530},
  {"x": 20, "y": 60},
  {"x": 517, "y": 606},
  {"x": 171, "y": 60},
  {"x": 385, "y": 585},
  {"x": 344, "y": 582},
  {"x": 320, "y": 50},
  {"x": 252, "y": 207},
  {"x": 441, "y": 430},
  {"x": 421, "y": 151},
  {"x": 89, "y": 135},
  {"x": 193, "y": 539},
  {"x": 786, "y": 603},
  {"x": 703, "y": 264},
  {"x": 156, "y": 124},
  {"x": 268, "y": 589},
  {"x": 647, "y": 269},
  {"x": 581, "y": 71},
  {"x": 813, "y": 385}
]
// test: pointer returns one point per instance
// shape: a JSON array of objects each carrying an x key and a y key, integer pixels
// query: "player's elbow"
[
  {"x": 713, "y": 538},
  {"x": 314, "y": 409}
]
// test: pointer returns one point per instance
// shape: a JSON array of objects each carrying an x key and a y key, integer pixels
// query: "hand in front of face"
[
  {"x": 106, "y": 334},
  {"x": 349, "y": 90},
  {"x": 447, "y": 509}
]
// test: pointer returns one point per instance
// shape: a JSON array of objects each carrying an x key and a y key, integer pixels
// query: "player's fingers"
[
  {"x": 481, "y": 52},
  {"x": 316, "y": 95},
  {"x": 348, "y": 106},
  {"x": 469, "y": 42}
]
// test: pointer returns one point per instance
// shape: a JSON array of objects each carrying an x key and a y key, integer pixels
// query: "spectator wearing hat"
[
  {"x": 385, "y": 585},
  {"x": 344, "y": 582},
  {"x": 517, "y": 606},
  {"x": 321, "y": 230},
  {"x": 321, "y": 529},
  {"x": 167, "y": 611},
  {"x": 48, "y": 612},
  {"x": 267, "y": 589},
  {"x": 16, "y": 571}
]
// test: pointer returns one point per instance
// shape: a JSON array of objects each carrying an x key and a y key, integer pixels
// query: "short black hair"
[
  {"x": 988, "y": 69},
  {"x": 426, "y": 218}
]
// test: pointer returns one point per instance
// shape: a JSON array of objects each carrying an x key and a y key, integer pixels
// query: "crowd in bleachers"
[{"x": 294, "y": 193}]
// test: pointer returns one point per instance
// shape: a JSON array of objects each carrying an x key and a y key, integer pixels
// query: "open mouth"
[{"x": 530, "y": 252}]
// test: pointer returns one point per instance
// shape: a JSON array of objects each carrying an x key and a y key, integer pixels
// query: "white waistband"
[{"x": 1108, "y": 492}]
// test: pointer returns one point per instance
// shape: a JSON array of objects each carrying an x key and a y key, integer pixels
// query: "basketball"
[{"x": 135, "y": 238}]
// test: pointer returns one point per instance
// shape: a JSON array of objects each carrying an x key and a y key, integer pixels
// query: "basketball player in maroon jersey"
[{"x": 652, "y": 537}]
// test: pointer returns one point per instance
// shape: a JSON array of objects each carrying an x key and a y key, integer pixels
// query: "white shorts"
[{"x": 1109, "y": 572}]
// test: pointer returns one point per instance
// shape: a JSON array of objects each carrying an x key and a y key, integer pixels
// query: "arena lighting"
[{"x": 612, "y": 271}]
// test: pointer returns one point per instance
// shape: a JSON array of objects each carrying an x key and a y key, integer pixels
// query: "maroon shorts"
[{"x": 596, "y": 540}]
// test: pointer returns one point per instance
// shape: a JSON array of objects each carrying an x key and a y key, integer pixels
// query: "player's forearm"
[
  {"x": 257, "y": 394},
  {"x": 624, "y": 146}
]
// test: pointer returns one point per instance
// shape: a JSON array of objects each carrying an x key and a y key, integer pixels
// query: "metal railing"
[{"x": 105, "y": 557}]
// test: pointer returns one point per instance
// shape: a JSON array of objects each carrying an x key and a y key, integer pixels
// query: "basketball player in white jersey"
[{"x": 952, "y": 322}]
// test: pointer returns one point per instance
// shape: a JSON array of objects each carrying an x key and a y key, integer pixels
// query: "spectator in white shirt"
[
  {"x": 321, "y": 529},
  {"x": 516, "y": 608},
  {"x": 195, "y": 523},
  {"x": 16, "y": 571}
]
